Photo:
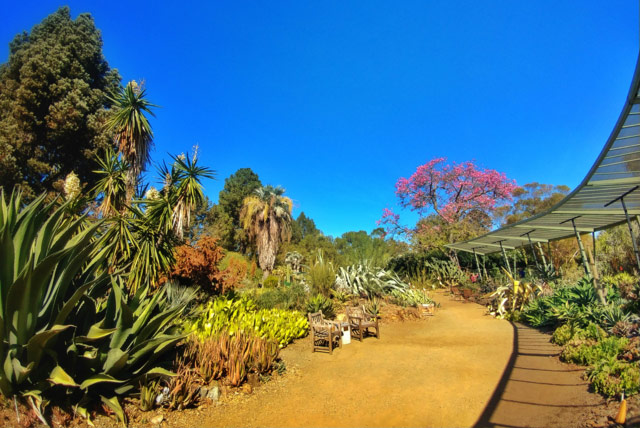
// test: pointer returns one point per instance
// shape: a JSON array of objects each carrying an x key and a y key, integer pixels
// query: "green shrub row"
[{"x": 238, "y": 313}]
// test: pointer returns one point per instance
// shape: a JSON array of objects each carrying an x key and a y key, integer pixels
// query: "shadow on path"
[{"x": 536, "y": 389}]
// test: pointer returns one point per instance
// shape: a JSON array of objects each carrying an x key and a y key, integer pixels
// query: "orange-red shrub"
[
  {"x": 197, "y": 264},
  {"x": 235, "y": 273}
]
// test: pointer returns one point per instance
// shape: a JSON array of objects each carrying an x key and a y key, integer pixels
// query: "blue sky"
[{"x": 337, "y": 100}]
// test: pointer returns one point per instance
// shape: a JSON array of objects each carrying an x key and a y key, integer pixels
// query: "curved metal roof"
[{"x": 595, "y": 204}]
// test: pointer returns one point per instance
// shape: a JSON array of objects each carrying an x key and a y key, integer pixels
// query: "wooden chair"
[
  {"x": 324, "y": 332},
  {"x": 457, "y": 293},
  {"x": 360, "y": 322}
]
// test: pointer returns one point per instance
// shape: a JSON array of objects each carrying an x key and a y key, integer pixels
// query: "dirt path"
[
  {"x": 537, "y": 390},
  {"x": 459, "y": 368},
  {"x": 438, "y": 372}
]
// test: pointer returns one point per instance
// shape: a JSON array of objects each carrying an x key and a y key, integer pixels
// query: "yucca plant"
[{"x": 513, "y": 297}]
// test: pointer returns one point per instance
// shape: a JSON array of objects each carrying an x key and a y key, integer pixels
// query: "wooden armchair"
[
  {"x": 456, "y": 292},
  {"x": 360, "y": 322},
  {"x": 324, "y": 332}
]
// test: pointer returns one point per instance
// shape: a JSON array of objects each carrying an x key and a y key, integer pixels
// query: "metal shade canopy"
[{"x": 608, "y": 196}]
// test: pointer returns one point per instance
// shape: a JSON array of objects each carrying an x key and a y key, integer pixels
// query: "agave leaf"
[
  {"x": 38, "y": 343},
  {"x": 27, "y": 221},
  {"x": 6, "y": 264},
  {"x": 114, "y": 405},
  {"x": 99, "y": 378},
  {"x": 124, "y": 389},
  {"x": 25, "y": 294},
  {"x": 82, "y": 411},
  {"x": 70, "y": 304},
  {"x": 59, "y": 377},
  {"x": 20, "y": 373},
  {"x": 95, "y": 333},
  {"x": 116, "y": 360}
]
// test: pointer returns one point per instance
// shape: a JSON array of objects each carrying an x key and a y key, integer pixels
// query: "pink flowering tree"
[{"x": 453, "y": 200}]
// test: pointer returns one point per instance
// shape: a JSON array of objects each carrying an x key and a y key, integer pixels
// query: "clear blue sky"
[{"x": 336, "y": 100}]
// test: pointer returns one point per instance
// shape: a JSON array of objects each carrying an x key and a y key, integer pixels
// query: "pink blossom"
[{"x": 451, "y": 191}]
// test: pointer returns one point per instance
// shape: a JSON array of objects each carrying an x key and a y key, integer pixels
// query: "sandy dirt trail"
[{"x": 438, "y": 372}]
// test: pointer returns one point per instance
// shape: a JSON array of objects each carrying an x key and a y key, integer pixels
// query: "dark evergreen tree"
[
  {"x": 225, "y": 216},
  {"x": 53, "y": 103}
]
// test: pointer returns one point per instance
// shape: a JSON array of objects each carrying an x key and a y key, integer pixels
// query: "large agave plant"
[
  {"x": 65, "y": 322},
  {"x": 49, "y": 263},
  {"x": 368, "y": 281}
]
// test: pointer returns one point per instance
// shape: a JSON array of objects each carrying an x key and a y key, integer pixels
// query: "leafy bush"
[
  {"x": 197, "y": 263},
  {"x": 578, "y": 305},
  {"x": 622, "y": 281},
  {"x": 234, "y": 269},
  {"x": 271, "y": 281},
  {"x": 411, "y": 297},
  {"x": 322, "y": 277},
  {"x": 200, "y": 264},
  {"x": 420, "y": 278},
  {"x": 323, "y": 304},
  {"x": 612, "y": 377},
  {"x": 567, "y": 332},
  {"x": 240, "y": 314},
  {"x": 589, "y": 353},
  {"x": 293, "y": 297}
]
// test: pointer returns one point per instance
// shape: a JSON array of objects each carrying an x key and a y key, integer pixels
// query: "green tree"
[
  {"x": 303, "y": 227},
  {"x": 266, "y": 217},
  {"x": 529, "y": 200},
  {"x": 307, "y": 226},
  {"x": 53, "y": 104},
  {"x": 226, "y": 215},
  {"x": 358, "y": 247}
]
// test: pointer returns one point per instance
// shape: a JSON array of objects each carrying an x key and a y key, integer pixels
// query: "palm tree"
[
  {"x": 266, "y": 217},
  {"x": 132, "y": 131}
]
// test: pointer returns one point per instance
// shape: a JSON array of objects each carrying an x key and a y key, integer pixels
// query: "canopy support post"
[
  {"x": 583, "y": 253},
  {"x": 533, "y": 250},
  {"x": 626, "y": 214},
  {"x": 484, "y": 267},
  {"x": 544, "y": 259},
  {"x": 553, "y": 266},
  {"x": 475, "y": 256},
  {"x": 506, "y": 260}
]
